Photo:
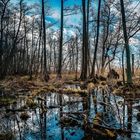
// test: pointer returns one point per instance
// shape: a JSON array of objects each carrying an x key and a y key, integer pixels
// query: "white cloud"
[
  {"x": 69, "y": 32},
  {"x": 72, "y": 20},
  {"x": 55, "y": 14},
  {"x": 134, "y": 41}
]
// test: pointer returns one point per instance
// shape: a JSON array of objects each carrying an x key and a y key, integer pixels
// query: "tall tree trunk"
[
  {"x": 31, "y": 55},
  {"x": 97, "y": 39},
  {"x": 46, "y": 75},
  {"x": 54, "y": 51},
  {"x": 105, "y": 39},
  {"x": 61, "y": 44},
  {"x": 24, "y": 46},
  {"x": 129, "y": 74},
  {"x": 77, "y": 57},
  {"x": 84, "y": 45},
  {"x": 39, "y": 48},
  {"x": 88, "y": 41}
]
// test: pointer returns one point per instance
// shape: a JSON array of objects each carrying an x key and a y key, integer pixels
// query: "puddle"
[{"x": 62, "y": 116}]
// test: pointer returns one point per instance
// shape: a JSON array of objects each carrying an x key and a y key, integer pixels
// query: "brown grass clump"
[
  {"x": 30, "y": 103},
  {"x": 128, "y": 91},
  {"x": 74, "y": 91},
  {"x": 90, "y": 87}
]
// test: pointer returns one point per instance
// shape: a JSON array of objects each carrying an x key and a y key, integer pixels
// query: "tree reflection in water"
[{"x": 63, "y": 116}]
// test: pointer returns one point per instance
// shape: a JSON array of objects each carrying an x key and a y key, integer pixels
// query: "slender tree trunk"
[
  {"x": 97, "y": 39},
  {"x": 32, "y": 49},
  {"x": 46, "y": 76},
  {"x": 39, "y": 48},
  {"x": 128, "y": 72},
  {"x": 123, "y": 71},
  {"x": 24, "y": 46},
  {"x": 133, "y": 58},
  {"x": 54, "y": 50},
  {"x": 77, "y": 57},
  {"x": 88, "y": 41},
  {"x": 61, "y": 44},
  {"x": 106, "y": 34}
]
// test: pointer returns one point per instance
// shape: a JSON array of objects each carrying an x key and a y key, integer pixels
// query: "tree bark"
[
  {"x": 97, "y": 40},
  {"x": 84, "y": 45},
  {"x": 61, "y": 44},
  {"x": 46, "y": 75},
  {"x": 128, "y": 72}
]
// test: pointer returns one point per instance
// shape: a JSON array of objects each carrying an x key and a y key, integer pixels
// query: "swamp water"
[{"x": 54, "y": 116}]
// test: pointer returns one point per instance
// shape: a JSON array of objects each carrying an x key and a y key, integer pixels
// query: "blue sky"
[
  {"x": 55, "y": 9},
  {"x": 54, "y": 16},
  {"x": 52, "y": 3}
]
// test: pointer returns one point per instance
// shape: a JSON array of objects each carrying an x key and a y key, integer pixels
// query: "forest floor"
[{"x": 37, "y": 85}]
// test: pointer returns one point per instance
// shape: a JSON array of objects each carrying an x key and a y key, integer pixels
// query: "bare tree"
[
  {"x": 128, "y": 71},
  {"x": 61, "y": 43},
  {"x": 97, "y": 39},
  {"x": 45, "y": 72}
]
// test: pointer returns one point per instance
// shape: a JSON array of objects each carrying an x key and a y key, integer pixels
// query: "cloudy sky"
[{"x": 75, "y": 19}]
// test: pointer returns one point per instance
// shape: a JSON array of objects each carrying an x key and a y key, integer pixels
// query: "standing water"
[{"x": 52, "y": 116}]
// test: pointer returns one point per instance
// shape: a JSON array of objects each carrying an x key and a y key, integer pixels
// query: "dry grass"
[{"x": 37, "y": 86}]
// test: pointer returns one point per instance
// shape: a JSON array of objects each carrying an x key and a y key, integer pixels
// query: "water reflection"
[{"x": 66, "y": 117}]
